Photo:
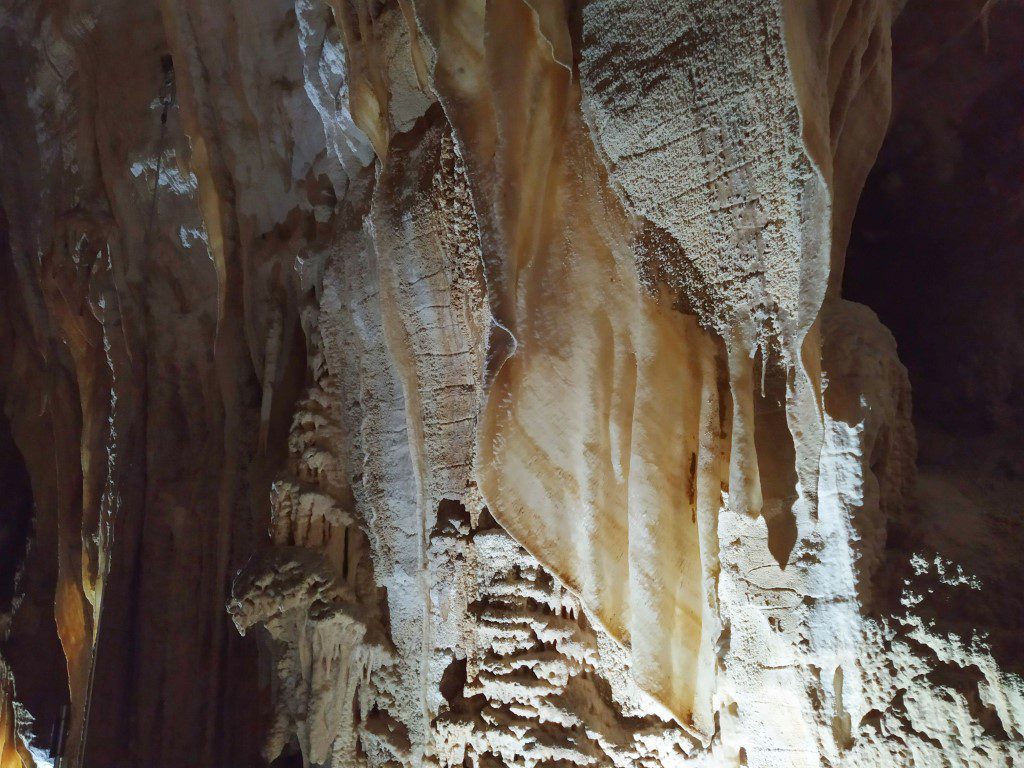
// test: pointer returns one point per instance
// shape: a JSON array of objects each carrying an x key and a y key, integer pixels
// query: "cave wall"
[{"x": 476, "y": 383}]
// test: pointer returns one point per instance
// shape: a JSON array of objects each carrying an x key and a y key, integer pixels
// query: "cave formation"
[{"x": 511, "y": 383}]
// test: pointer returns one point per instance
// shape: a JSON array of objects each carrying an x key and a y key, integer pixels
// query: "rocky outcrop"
[{"x": 472, "y": 383}]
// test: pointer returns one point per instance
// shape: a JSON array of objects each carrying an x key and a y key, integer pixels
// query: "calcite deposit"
[{"x": 401, "y": 383}]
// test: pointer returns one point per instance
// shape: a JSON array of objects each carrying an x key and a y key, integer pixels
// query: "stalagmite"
[{"x": 476, "y": 383}]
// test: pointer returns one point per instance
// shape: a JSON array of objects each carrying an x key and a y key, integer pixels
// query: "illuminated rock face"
[{"x": 465, "y": 383}]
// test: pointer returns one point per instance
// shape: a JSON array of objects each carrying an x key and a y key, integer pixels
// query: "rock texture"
[{"x": 472, "y": 383}]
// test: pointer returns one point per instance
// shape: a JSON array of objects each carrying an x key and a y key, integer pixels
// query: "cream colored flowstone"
[
  {"x": 656, "y": 199},
  {"x": 511, "y": 333}
]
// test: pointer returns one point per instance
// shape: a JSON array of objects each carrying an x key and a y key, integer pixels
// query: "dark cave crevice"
[
  {"x": 935, "y": 252},
  {"x": 935, "y": 248},
  {"x": 28, "y": 561},
  {"x": 16, "y": 514}
]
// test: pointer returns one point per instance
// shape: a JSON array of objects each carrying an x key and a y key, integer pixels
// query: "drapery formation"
[{"x": 486, "y": 358}]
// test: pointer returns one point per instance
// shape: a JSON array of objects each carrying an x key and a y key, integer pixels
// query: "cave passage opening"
[
  {"x": 28, "y": 538},
  {"x": 16, "y": 514},
  {"x": 935, "y": 252}
]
